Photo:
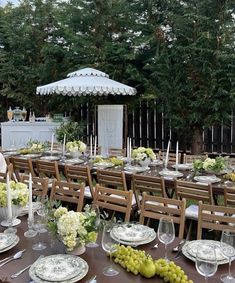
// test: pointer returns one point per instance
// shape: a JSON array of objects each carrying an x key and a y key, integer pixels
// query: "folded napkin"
[{"x": 3, "y": 164}]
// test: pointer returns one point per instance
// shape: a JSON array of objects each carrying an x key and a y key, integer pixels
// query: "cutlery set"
[{"x": 17, "y": 255}]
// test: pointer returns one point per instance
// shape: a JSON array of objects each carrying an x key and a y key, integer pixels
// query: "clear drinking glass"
[
  {"x": 166, "y": 232},
  {"x": 228, "y": 237},
  {"x": 109, "y": 245},
  {"x": 96, "y": 225},
  {"x": 206, "y": 263},
  {"x": 39, "y": 226}
]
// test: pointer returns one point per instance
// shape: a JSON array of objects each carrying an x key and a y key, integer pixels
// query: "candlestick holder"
[{"x": 30, "y": 232}]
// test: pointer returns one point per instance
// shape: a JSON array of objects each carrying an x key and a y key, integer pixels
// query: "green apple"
[{"x": 147, "y": 268}]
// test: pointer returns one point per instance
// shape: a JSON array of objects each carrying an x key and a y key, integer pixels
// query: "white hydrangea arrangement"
[
  {"x": 74, "y": 146},
  {"x": 19, "y": 194},
  {"x": 74, "y": 228},
  {"x": 211, "y": 164},
  {"x": 141, "y": 153}
]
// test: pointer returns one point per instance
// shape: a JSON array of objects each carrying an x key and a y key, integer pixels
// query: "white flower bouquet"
[
  {"x": 211, "y": 164},
  {"x": 141, "y": 153},
  {"x": 19, "y": 194},
  {"x": 73, "y": 228},
  {"x": 75, "y": 146}
]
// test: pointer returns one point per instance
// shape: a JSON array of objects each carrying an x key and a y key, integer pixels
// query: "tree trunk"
[{"x": 197, "y": 142}]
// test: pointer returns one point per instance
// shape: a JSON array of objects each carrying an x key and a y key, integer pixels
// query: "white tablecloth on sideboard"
[{"x": 17, "y": 134}]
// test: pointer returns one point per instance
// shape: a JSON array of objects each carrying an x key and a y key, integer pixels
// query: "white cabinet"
[{"x": 17, "y": 134}]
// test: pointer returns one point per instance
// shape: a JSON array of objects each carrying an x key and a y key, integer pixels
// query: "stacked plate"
[
  {"x": 207, "y": 179},
  {"x": 183, "y": 166},
  {"x": 170, "y": 174},
  {"x": 50, "y": 158},
  {"x": 133, "y": 234},
  {"x": 135, "y": 169},
  {"x": 190, "y": 250},
  {"x": 61, "y": 268},
  {"x": 74, "y": 161},
  {"x": 8, "y": 241},
  {"x": 102, "y": 165}
]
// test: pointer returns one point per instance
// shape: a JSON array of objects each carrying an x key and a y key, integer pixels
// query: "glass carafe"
[{"x": 17, "y": 114}]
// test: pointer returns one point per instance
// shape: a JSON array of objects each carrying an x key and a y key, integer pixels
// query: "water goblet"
[
  {"x": 206, "y": 265},
  {"x": 109, "y": 245},
  {"x": 95, "y": 224},
  {"x": 39, "y": 226},
  {"x": 228, "y": 237},
  {"x": 166, "y": 232}
]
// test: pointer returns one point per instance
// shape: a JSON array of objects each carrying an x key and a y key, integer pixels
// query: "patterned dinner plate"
[
  {"x": 8, "y": 241},
  {"x": 135, "y": 169},
  {"x": 190, "y": 250},
  {"x": 74, "y": 161},
  {"x": 133, "y": 233},
  {"x": 103, "y": 164},
  {"x": 207, "y": 179},
  {"x": 59, "y": 268},
  {"x": 170, "y": 173},
  {"x": 183, "y": 166},
  {"x": 51, "y": 158}
]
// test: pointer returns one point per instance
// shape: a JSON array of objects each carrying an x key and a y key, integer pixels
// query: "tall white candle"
[
  {"x": 30, "y": 198},
  {"x": 130, "y": 148},
  {"x": 9, "y": 205},
  {"x": 95, "y": 146},
  {"x": 52, "y": 141},
  {"x": 167, "y": 154},
  {"x": 64, "y": 142},
  {"x": 177, "y": 154},
  {"x": 127, "y": 148},
  {"x": 90, "y": 145}
]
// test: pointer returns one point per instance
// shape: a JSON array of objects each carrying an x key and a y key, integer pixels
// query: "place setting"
[
  {"x": 58, "y": 268},
  {"x": 8, "y": 241}
]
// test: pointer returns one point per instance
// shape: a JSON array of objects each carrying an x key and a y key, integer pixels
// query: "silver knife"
[{"x": 179, "y": 253}]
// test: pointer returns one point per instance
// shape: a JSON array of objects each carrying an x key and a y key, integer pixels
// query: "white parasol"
[{"x": 86, "y": 81}]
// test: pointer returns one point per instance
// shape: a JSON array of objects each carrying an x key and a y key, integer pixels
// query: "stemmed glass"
[
  {"x": 95, "y": 224},
  {"x": 206, "y": 265},
  {"x": 228, "y": 237},
  {"x": 109, "y": 245},
  {"x": 166, "y": 232}
]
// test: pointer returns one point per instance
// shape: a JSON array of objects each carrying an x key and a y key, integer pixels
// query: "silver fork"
[{"x": 15, "y": 275}]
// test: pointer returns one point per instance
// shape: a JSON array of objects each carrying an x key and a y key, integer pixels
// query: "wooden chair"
[
  {"x": 21, "y": 167},
  {"x": 116, "y": 152},
  {"x": 48, "y": 169},
  {"x": 112, "y": 179},
  {"x": 155, "y": 207},
  {"x": 39, "y": 185},
  {"x": 214, "y": 217},
  {"x": 229, "y": 196},
  {"x": 189, "y": 158},
  {"x": 149, "y": 184},
  {"x": 114, "y": 200},
  {"x": 195, "y": 192},
  {"x": 3, "y": 176},
  {"x": 68, "y": 193},
  {"x": 80, "y": 174},
  {"x": 171, "y": 157}
]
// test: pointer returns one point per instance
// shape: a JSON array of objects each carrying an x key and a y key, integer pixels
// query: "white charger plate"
[
  {"x": 170, "y": 174},
  {"x": 13, "y": 239},
  {"x": 51, "y": 158},
  {"x": 183, "y": 166}
]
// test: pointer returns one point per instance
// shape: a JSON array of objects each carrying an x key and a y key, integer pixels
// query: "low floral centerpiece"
[
  {"x": 211, "y": 165},
  {"x": 32, "y": 147},
  {"x": 143, "y": 155},
  {"x": 76, "y": 147},
  {"x": 19, "y": 198},
  {"x": 74, "y": 229}
]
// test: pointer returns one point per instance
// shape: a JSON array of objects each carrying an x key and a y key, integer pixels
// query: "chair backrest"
[
  {"x": 149, "y": 184},
  {"x": 193, "y": 191},
  {"x": 22, "y": 166},
  {"x": 214, "y": 217},
  {"x": 189, "y": 158},
  {"x": 116, "y": 152},
  {"x": 39, "y": 185},
  {"x": 80, "y": 174},
  {"x": 114, "y": 200},
  {"x": 3, "y": 176},
  {"x": 48, "y": 169},
  {"x": 171, "y": 157},
  {"x": 155, "y": 207},
  {"x": 229, "y": 196},
  {"x": 68, "y": 192},
  {"x": 98, "y": 150},
  {"x": 112, "y": 179}
]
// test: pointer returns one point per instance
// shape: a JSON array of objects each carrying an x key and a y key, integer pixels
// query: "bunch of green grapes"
[
  {"x": 170, "y": 272},
  {"x": 129, "y": 258},
  {"x": 230, "y": 176}
]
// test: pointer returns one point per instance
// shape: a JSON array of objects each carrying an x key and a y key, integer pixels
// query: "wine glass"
[
  {"x": 39, "y": 226},
  {"x": 95, "y": 225},
  {"x": 109, "y": 245},
  {"x": 166, "y": 232},
  {"x": 206, "y": 262},
  {"x": 228, "y": 238}
]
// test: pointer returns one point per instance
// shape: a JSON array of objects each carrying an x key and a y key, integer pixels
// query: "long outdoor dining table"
[{"x": 96, "y": 259}]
